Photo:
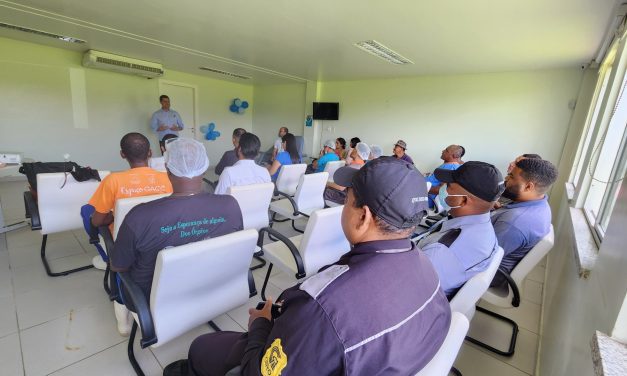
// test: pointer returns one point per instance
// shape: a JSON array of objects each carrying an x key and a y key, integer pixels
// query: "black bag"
[{"x": 79, "y": 173}]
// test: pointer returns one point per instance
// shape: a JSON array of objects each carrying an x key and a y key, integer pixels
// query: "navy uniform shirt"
[
  {"x": 378, "y": 311},
  {"x": 462, "y": 248}
]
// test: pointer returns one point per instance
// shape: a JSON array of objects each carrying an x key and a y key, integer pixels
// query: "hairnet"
[
  {"x": 187, "y": 158},
  {"x": 329, "y": 144},
  {"x": 376, "y": 151},
  {"x": 363, "y": 150}
]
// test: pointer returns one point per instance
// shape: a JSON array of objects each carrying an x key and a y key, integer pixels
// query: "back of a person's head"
[
  {"x": 169, "y": 136},
  {"x": 135, "y": 147},
  {"x": 355, "y": 141},
  {"x": 238, "y": 132},
  {"x": 531, "y": 156},
  {"x": 540, "y": 172},
  {"x": 249, "y": 145},
  {"x": 186, "y": 158},
  {"x": 363, "y": 150},
  {"x": 457, "y": 151},
  {"x": 291, "y": 147},
  {"x": 375, "y": 151}
]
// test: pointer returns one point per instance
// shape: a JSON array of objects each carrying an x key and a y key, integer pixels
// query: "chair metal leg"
[
  {"x": 131, "y": 351},
  {"x": 455, "y": 371},
  {"x": 262, "y": 261},
  {"x": 512, "y": 342},
  {"x": 214, "y": 326},
  {"x": 57, "y": 274},
  {"x": 265, "y": 283},
  {"x": 105, "y": 280},
  {"x": 296, "y": 229}
]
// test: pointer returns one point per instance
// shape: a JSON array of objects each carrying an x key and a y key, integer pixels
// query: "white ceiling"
[{"x": 287, "y": 40}]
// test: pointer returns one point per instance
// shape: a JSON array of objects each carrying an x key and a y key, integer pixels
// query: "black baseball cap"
[
  {"x": 394, "y": 190},
  {"x": 479, "y": 178}
]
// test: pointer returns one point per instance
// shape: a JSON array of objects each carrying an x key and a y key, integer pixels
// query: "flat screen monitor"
[{"x": 326, "y": 111}]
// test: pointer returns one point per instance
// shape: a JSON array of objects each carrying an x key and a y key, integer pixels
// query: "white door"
[{"x": 183, "y": 101}]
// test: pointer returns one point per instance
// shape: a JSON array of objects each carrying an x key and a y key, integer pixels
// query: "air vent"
[
  {"x": 225, "y": 73},
  {"x": 125, "y": 64},
  {"x": 41, "y": 33},
  {"x": 377, "y": 49}
]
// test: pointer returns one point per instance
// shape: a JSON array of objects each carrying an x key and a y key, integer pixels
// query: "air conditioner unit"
[{"x": 121, "y": 64}]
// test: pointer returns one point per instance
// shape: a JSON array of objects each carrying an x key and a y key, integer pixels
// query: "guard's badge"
[{"x": 274, "y": 360}]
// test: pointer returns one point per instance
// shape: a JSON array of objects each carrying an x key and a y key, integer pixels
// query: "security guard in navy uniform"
[
  {"x": 379, "y": 310},
  {"x": 466, "y": 243}
]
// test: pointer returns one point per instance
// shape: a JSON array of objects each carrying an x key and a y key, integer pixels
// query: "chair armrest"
[
  {"x": 32, "y": 211},
  {"x": 104, "y": 231},
  {"x": 252, "y": 289},
  {"x": 513, "y": 286},
  {"x": 212, "y": 184},
  {"x": 136, "y": 296},
  {"x": 285, "y": 240},
  {"x": 296, "y": 212}
]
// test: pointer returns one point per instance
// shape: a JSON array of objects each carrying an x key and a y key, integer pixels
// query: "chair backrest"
[
  {"x": 197, "y": 282},
  {"x": 300, "y": 144},
  {"x": 323, "y": 241},
  {"x": 532, "y": 258},
  {"x": 310, "y": 192},
  {"x": 445, "y": 357},
  {"x": 124, "y": 205},
  {"x": 59, "y": 200},
  {"x": 428, "y": 186},
  {"x": 289, "y": 176},
  {"x": 254, "y": 201},
  {"x": 470, "y": 293},
  {"x": 332, "y": 166}
]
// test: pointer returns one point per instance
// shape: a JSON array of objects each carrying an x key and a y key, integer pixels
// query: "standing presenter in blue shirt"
[{"x": 165, "y": 120}]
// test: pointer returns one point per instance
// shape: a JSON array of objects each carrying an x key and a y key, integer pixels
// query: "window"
[{"x": 601, "y": 158}]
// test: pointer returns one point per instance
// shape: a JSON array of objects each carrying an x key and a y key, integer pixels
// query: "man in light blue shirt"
[
  {"x": 466, "y": 243},
  {"x": 165, "y": 120},
  {"x": 328, "y": 155},
  {"x": 452, "y": 157},
  {"x": 521, "y": 224}
]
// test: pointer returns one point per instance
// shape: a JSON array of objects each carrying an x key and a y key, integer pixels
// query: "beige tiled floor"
[{"x": 65, "y": 325}]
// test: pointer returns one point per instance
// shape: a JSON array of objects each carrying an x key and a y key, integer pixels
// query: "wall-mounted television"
[{"x": 326, "y": 111}]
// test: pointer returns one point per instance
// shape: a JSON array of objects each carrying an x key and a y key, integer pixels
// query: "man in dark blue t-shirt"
[{"x": 188, "y": 215}]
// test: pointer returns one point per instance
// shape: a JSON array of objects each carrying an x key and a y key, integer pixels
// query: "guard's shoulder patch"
[
  {"x": 450, "y": 237},
  {"x": 274, "y": 360},
  {"x": 317, "y": 283}
]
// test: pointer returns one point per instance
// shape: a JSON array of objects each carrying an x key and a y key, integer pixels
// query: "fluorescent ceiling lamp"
[
  {"x": 42, "y": 33},
  {"x": 225, "y": 73},
  {"x": 377, "y": 49}
]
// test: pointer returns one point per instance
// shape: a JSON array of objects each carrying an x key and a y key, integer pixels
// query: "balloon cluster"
[
  {"x": 209, "y": 132},
  {"x": 238, "y": 106}
]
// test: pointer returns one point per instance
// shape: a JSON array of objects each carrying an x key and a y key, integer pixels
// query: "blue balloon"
[
  {"x": 233, "y": 108},
  {"x": 237, "y": 102},
  {"x": 241, "y": 110},
  {"x": 212, "y": 126},
  {"x": 208, "y": 136},
  {"x": 244, "y": 104},
  {"x": 203, "y": 129},
  {"x": 216, "y": 134}
]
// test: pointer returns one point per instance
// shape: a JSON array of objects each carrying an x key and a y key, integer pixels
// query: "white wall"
[
  {"x": 38, "y": 116},
  {"x": 494, "y": 116},
  {"x": 278, "y": 106}
]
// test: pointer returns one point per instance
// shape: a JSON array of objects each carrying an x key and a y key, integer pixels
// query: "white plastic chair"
[
  {"x": 185, "y": 295},
  {"x": 58, "y": 208},
  {"x": 124, "y": 205},
  {"x": 322, "y": 243},
  {"x": 254, "y": 201},
  {"x": 443, "y": 360},
  {"x": 508, "y": 296},
  {"x": 288, "y": 178},
  {"x": 333, "y": 166},
  {"x": 309, "y": 197}
]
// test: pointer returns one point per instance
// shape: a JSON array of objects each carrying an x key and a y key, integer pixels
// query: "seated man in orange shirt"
[{"x": 139, "y": 180}]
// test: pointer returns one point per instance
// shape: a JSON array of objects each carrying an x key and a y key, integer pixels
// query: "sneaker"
[
  {"x": 124, "y": 319},
  {"x": 178, "y": 368},
  {"x": 99, "y": 263}
]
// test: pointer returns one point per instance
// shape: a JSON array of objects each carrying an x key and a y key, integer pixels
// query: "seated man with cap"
[
  {"x": 466, "y": 243},
  {"x": 245, "y": 171},
  {"x": 327, "y": 154},
  {"x": 378, "y": 310},
  {"x": 521, "y": 224},
  {"x": 399, "y": 152},
  {"x": 337, "y": 193},
  {"x": 150, "y": 227},
  {"x": 452, "y": 157}
]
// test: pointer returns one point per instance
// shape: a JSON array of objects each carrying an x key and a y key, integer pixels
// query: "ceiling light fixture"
[
  {"x": 225, "y": 73},
  {"x": 42, "y": 33},
  {"x": 377, "y": 49}
]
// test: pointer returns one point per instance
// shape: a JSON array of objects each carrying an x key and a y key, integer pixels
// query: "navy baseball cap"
[
  {"x": 394, "y": 190},
  {"x": 479, "y": 178}
]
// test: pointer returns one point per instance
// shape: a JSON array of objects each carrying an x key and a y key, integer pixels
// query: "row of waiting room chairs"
[{"x": 58, "y": 208}]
